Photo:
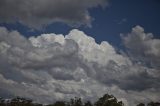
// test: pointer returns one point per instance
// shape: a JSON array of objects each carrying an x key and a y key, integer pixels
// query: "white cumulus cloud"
[
  {"x": 143, "y": 47},
  {"x": 56, "y": 67}
]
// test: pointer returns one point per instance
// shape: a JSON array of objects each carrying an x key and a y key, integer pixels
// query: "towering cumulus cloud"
[
  {"x": 57, "y": 67},
  {"x": 37, "y": 13},
  {"x": 143, "y": 47}
]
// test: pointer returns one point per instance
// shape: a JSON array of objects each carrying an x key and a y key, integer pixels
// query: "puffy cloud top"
[
  {"x": 38, "y": 13},
  {"x": 52, "y": 67},
  {"x": 143, "y": 47}
]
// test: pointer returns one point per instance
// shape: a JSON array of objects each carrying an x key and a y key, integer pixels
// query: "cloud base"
[{"x": 57, "y": 67}]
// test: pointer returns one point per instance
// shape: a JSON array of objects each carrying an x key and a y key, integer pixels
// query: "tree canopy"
[{"x": 105, "y": 100}]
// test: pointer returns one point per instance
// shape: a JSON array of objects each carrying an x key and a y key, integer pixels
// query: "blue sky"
[{"x": 48, "y": 52}]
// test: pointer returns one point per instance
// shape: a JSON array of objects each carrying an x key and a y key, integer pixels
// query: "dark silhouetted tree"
[
  {"x": 141, "y": 104},
  {"x": 88, "y": 103},
  {"x": 108, "y": 100},
  {"x": 58, "y": 103},
  {"x": 153, "y": 104},
  {"x": 75, "y": 102},
  {"x": 2, "y": 102}
]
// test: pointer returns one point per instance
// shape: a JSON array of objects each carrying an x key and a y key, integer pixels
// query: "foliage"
[
  {"x": 106, "y": 100},
  {"x": 141, "y": 104},
  {"x": 150, "y": 104}
]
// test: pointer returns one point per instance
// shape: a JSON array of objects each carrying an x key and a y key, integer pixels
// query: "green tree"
[
  {"x": 2, "y": 102},
  {"x": 108, "y": 100},
  {"x": 153, "y": 104},
  {"x": 60, "y": 103},
  {"x": 75, "y": 102},
  {"x": 141, "y": 104},
  {"x": 88, "y": 103},
  {"x": 18, "y": 101}
]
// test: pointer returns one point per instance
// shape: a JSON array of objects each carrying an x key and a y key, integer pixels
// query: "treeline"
[{"x": 106, "y": 100}]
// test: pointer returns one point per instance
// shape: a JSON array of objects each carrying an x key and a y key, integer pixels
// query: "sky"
[{"x": 56, "y": 50}]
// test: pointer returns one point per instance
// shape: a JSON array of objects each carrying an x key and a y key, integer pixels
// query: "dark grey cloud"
[
  {"x": 38, "y": 13},
  {"x": 54, "y": 67}
]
